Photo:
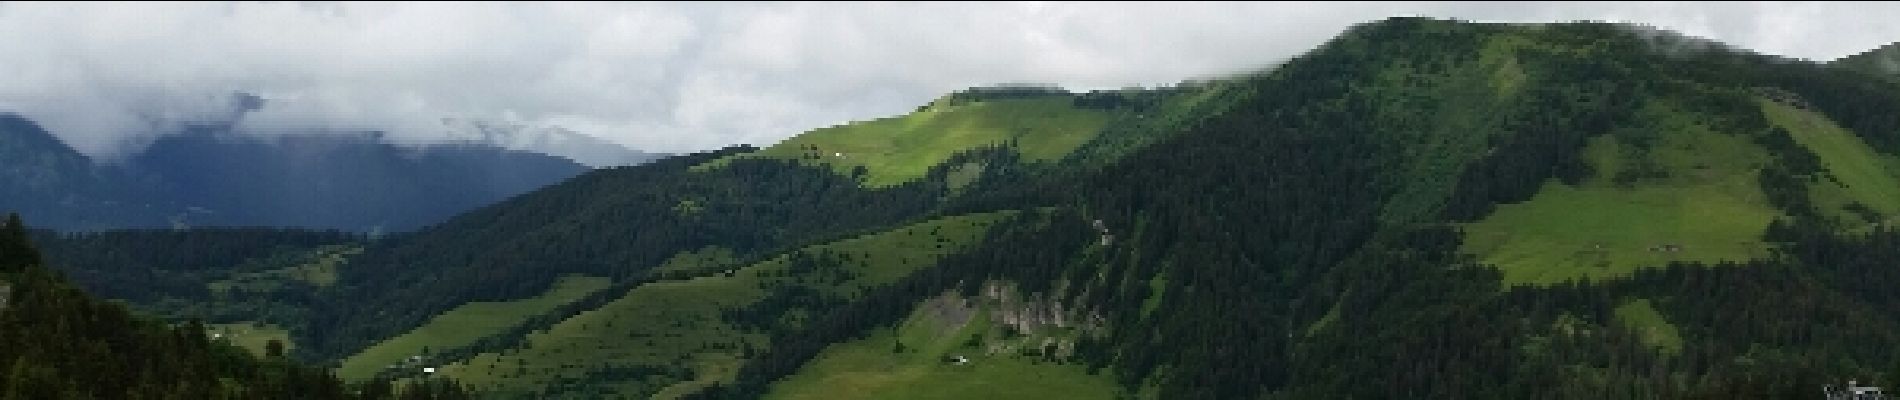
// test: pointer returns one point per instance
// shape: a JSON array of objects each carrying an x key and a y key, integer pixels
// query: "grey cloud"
[{"x": 678, "y": 77}]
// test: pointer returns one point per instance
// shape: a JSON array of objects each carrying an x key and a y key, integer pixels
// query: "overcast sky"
[{"x": 677, "y": 77}]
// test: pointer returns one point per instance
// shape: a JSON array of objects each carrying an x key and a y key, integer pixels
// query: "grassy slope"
[
  {"x": 1655, "y": 330},
  {"x": 898, "y": 149},
  {"x": 1710, "y": 205},
  {"x": 464, "y": 325},
  {"x": 251, "y": 336},
  {"x": 1863, "y": 175},
  {"x": 870, "y": 369},
  {"x": 677, "y": 323}
]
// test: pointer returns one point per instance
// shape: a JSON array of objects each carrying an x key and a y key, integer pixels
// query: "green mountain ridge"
[
  {"x": 1449, "y": 209},
  {"x": 1881, "y": 61}
]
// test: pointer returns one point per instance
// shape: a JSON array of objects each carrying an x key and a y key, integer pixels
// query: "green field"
[
  {"x": 677, "y": 324},
  {"x": 1864, "y": 176},
  {"x": 251, "y": 336},
  {"x": 899, "y": 149},
  {"x": 1650, "y": 324},
  {"x": 463, "y": 325},
  {"x": 1709, "y": 207},
  {"x": 871, "y": 368}
]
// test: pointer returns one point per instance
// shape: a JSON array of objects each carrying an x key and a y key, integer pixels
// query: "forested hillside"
[
  {"x": 1317, "y": 236},
  {"x": 61, "y": 343},
  {"x": 1417, "y": 209},
  {"x": 260, "y": 277}
]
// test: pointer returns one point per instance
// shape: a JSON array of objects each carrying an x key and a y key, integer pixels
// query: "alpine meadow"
[{"x": 1417, "y": 208}]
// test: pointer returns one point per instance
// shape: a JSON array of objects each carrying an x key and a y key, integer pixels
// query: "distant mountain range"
[
  {"x": 211, "y": 174},
  {"x": 554, "y": 140}
]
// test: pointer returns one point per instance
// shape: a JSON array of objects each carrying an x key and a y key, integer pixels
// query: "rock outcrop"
[{"x": 1038, "y": 316}]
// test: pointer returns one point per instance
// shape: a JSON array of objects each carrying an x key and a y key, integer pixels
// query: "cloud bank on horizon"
[{"x": 676, "y": 77}]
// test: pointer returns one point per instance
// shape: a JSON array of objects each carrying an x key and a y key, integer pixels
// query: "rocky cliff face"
[
  {"x": 1043, "y": 321},
  {"x": 1025, "y": 314}
]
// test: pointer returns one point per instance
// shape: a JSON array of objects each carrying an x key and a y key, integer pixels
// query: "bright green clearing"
[
  {"x": 1157, "y": 288},
  {"x": 872, "y": 368},
  {"x": 1864, "y": 176},
  {"x": 1650, "y": 324},
  {"x": 672, "y": 324},
  {"x": 465, "y": 324},
  {"x": 1709, "y": 208},
  {"x": 704, "y": 260},
  {"x": 318, "y": 269},
  {"x": 251, "y": 336},
  {"x": 899, "y": 149}
]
